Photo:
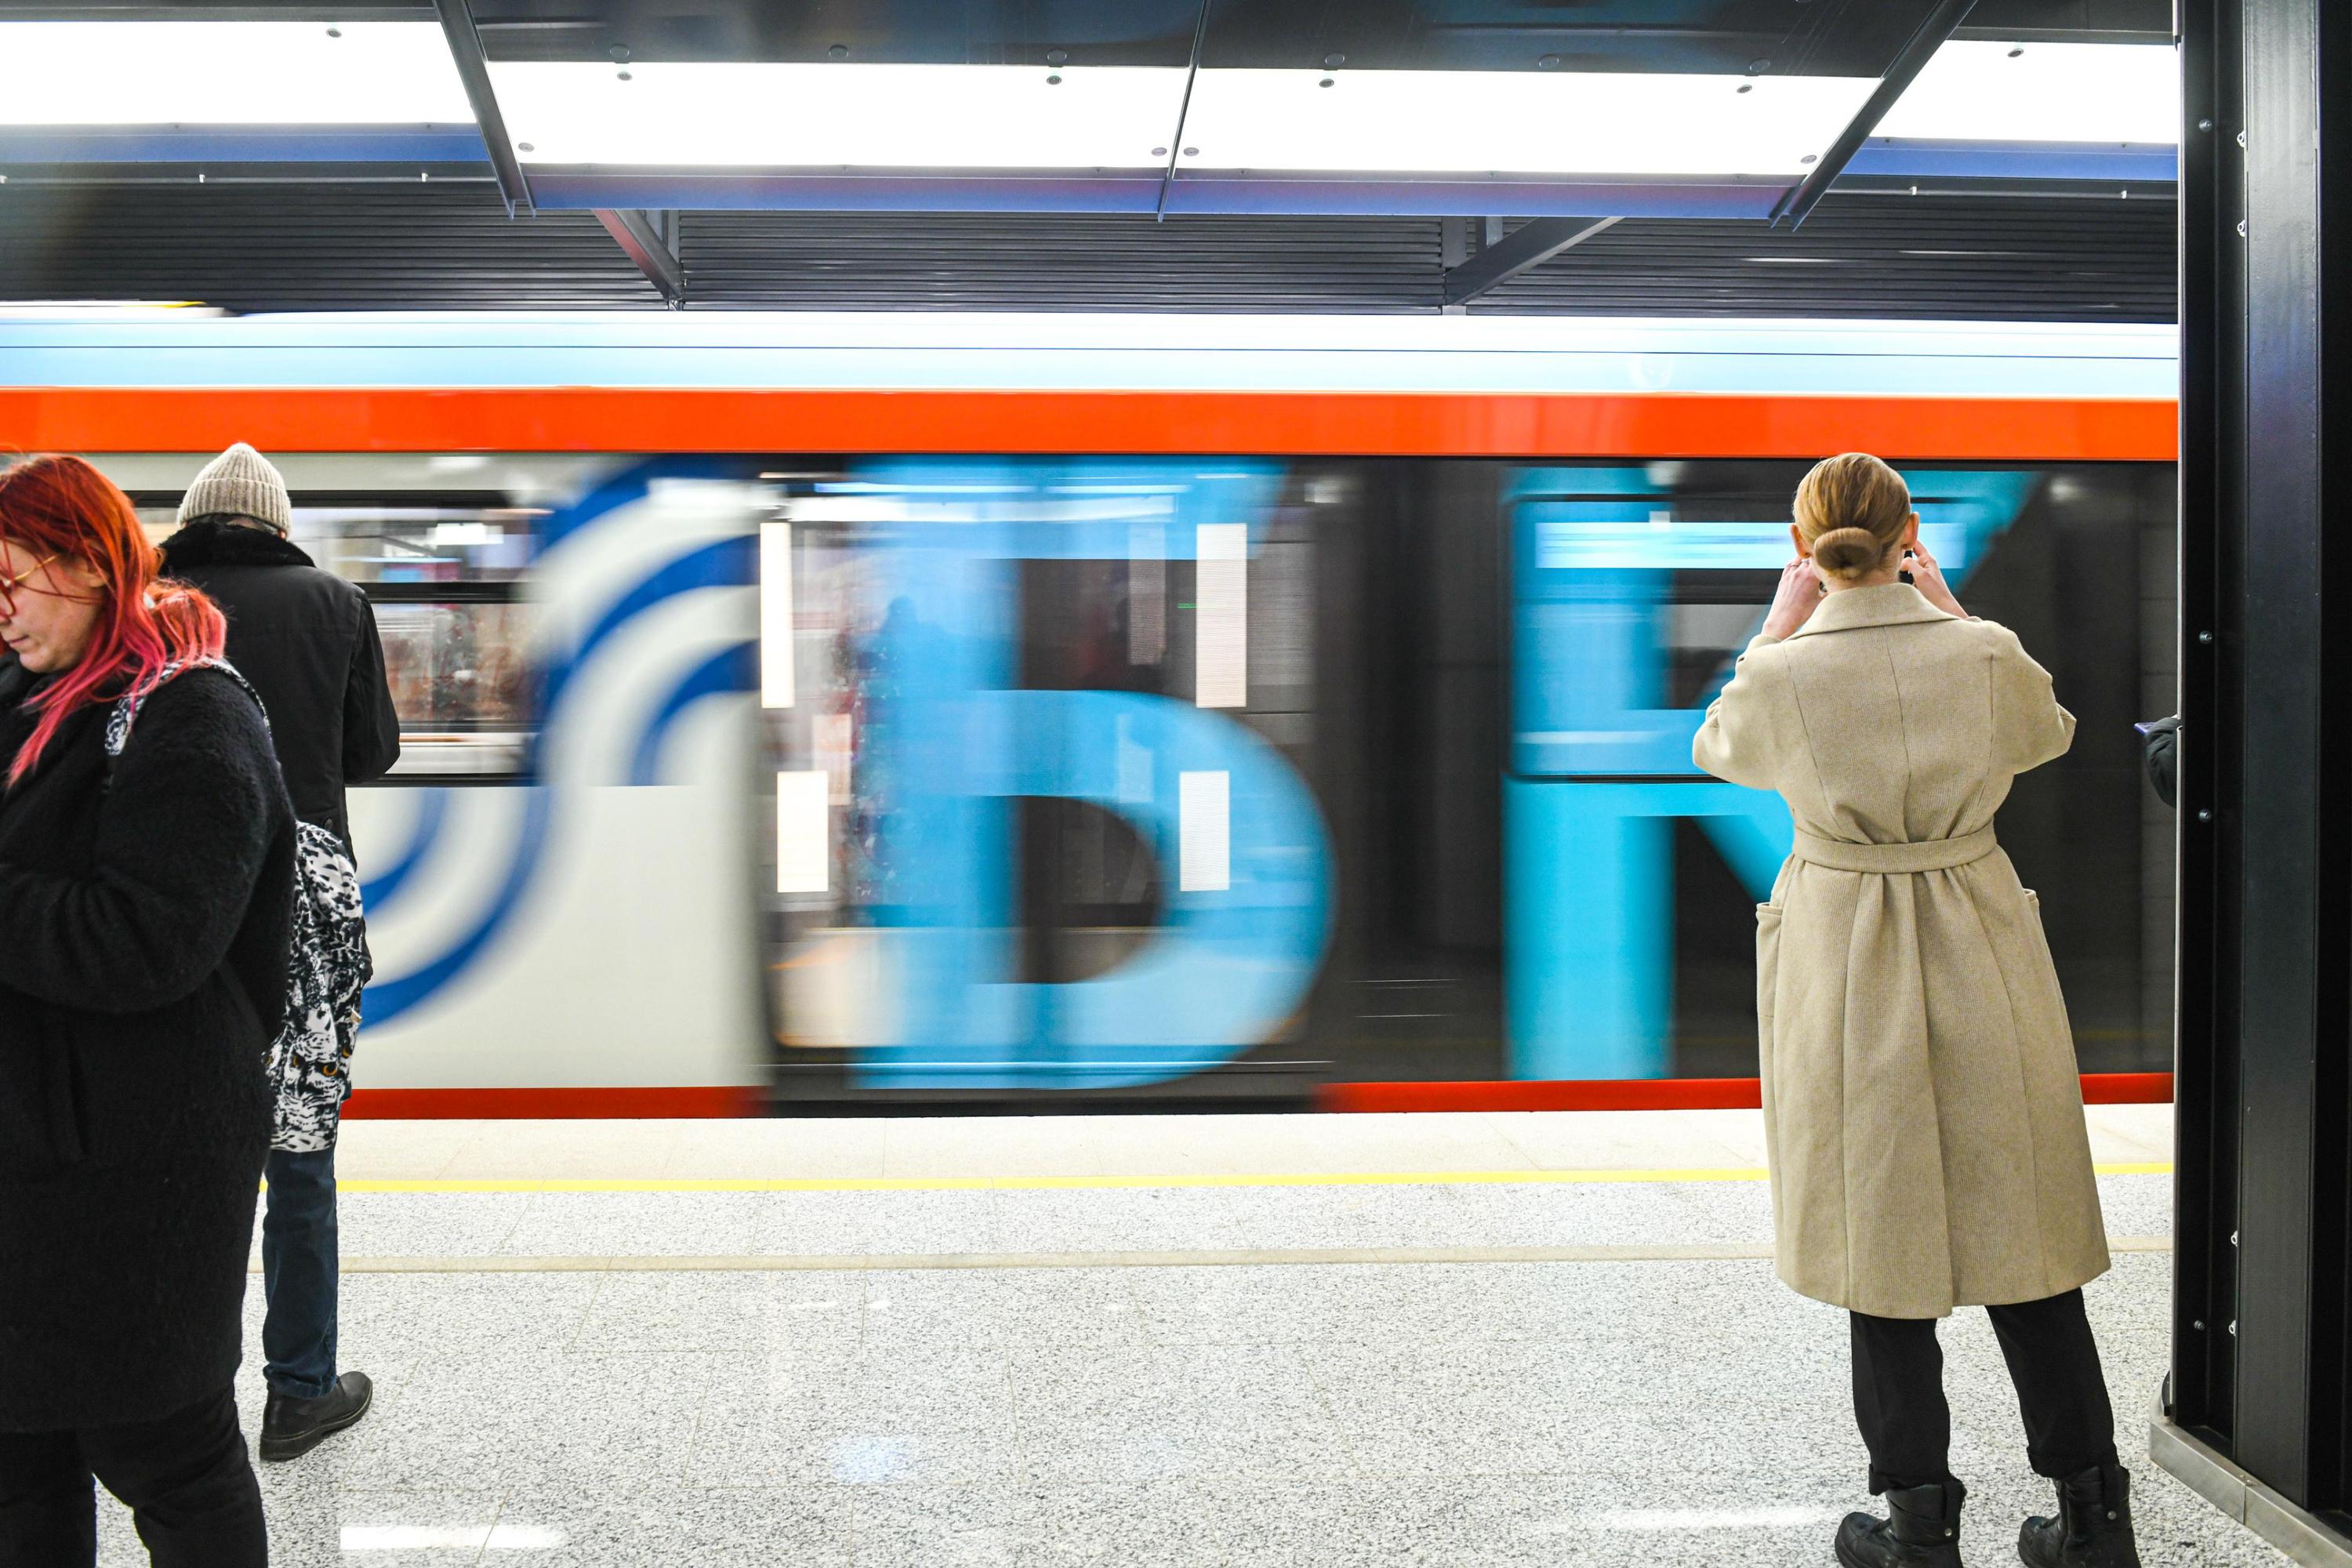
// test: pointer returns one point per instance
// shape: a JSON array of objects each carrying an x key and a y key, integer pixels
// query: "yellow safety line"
[{"x": 1065, "y": 1183}]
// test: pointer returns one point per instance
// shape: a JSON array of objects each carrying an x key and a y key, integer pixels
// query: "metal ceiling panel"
[
  {"x": 438, "y": 247},
  {"x": 305, "y": 248},
  {"x": 977, "y": 261},
  {"x": 1957, "y": 257},
  {"x": 894, "y": 32},
  {"x": 1825, "y": 38}
]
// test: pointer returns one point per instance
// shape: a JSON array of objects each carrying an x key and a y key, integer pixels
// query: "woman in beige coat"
[{"x": 1921, "y": 1103}]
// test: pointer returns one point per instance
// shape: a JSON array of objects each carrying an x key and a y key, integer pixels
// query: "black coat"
[
  {"x": 145, "y": 908},
  {"x": 306, "y": 640}
]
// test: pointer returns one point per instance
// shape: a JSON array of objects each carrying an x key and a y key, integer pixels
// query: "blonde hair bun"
[
  {"x": 1852, "y": 511},
  {"x": 1849, "y": 552}
]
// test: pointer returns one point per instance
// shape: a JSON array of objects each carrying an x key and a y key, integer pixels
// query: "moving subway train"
[{"x": 830, "y": 710}]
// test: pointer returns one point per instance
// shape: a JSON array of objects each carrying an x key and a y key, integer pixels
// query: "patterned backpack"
[{"x": 327, "y": 963}]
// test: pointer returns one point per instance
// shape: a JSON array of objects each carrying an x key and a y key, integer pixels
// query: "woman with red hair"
[{"x": 147, "y": 874}]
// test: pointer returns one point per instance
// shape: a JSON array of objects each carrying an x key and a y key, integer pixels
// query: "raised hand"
[
  {"x": 1792, "y": 604},
  {"x": 1928, "y": 578}
]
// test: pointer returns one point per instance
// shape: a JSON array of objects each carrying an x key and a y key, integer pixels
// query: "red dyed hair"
[{"x": 62, "y": 506}]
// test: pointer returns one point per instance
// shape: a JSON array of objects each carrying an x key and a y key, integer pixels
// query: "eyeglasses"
[{"x": 8, "y": 585}]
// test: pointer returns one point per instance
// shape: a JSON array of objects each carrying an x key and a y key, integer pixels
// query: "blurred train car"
[{"x": 883, "y": 711}]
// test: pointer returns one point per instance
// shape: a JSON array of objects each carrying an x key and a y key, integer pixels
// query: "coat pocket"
[
  {"x": 1767, "y": 969},
  {"x": 2033, "y": 921}
]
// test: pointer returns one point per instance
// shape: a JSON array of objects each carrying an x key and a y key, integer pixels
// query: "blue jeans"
[{"x": 300, "y": 1271}]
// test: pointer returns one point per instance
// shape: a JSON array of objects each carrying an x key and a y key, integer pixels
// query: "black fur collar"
[{"x": 214, "y": 542}]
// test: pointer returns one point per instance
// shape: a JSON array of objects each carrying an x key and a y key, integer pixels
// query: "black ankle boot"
[
  {"x": 291, "y": 1427},
  {"x": 2094, "y": 1527},
  {"x": 1922, "y": 1532}
]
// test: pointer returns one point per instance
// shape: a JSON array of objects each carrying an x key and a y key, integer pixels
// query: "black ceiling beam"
[
  {"x": 1534, "y": 243},
  {"x": 1940, "y": 24},
  {"x": 474, "y": 70},
  {"x": 1183, "y": 113},
  {"x": 651, "y": 241}
]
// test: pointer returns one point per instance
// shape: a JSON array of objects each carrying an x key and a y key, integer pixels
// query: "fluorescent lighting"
[
  {"x": 776, "y": 614},
  {"x": 1203, "y": 832},
  {"x": 839, "y": 116},
  {"x": 228, "y": 73},
  {"x": 1975, "y": 91},
  {"x": 1568, "y": 123},
  {"x": 1220, "y": 623},
  {"x": 803, "y": 833}
]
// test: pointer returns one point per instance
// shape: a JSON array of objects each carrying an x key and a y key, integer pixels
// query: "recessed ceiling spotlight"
[
  {"x": 623, "y": 76},
  {"x": 1053, "y": 78},
  {"x": 334, "y": 32},
  {"x": 525, "y": 147},
  {"x": 1747, "y": 87},
  {"x": 1192, "y": 152},
  {"x": 619, "y": 52},
  {"x": 1327, "y": 82},
  {"x": 2015, "y": 50},
  {"x": 1334, "y": 61},
  {"x": 1057, "y": 57},
  {"x": 1547, "y": 62},
  {"x": 838, "y": 52},
  {"x": 1160, "y": 151},
  {"x": 1810, "y": 158}
]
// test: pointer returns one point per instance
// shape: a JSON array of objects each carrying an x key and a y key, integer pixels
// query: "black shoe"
[
  {"x": 1924, "y": 1531},
  {"x": 291, "y": 1427},
  {"x": 2094, "y": 1527}
]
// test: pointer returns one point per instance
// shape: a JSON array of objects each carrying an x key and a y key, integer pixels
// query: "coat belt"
[{"x": 1895, "y": 859}]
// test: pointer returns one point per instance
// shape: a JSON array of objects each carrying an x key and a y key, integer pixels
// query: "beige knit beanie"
[{"x": 239, "y": 483}]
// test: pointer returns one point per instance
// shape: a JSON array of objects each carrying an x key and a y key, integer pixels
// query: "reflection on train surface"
[{"x": 1191, "y": 778}]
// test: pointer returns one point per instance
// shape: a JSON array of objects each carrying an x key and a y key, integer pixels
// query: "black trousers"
[
  {"x": 1898, "y": 1392},
  {"x": 191, "y": 1490}
]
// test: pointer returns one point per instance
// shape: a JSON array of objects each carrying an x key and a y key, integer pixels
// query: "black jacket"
[
  {"x": 144, "y": 916},
  {"x": 308, "y": 641}
]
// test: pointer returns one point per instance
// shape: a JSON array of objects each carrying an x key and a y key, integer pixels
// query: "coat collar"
[
  {"x": 210, "y": 542},
  {"x": 1885, "y": 605}
]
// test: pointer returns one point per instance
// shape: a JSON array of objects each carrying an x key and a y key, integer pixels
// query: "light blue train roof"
[{"x": 1113, "y": 352}]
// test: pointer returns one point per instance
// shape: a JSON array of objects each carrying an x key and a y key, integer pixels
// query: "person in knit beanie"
[
  {"x": 239, "y": 484},
  {"x": 306, "y": 640}
]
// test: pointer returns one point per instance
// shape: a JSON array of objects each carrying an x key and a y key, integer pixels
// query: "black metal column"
[{"x": 2265, "y": 1003}]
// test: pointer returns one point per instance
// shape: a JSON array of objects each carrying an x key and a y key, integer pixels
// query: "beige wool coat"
[{"x": 1921, "y": 1103}]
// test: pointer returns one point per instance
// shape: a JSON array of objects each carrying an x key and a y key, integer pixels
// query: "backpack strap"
[{"x": 125, "y": 713}]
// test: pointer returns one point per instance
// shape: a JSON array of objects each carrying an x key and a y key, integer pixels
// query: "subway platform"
[{"x": 1260, "y": 1342}]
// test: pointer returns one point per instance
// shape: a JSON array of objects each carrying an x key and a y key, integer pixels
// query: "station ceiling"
[{"x": 831, "y": 151}]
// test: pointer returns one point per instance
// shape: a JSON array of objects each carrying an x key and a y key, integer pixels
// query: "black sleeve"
[
  {"x": 371, "y": 727},
  {"x": 184, "y": 830},
  {"x": 2163, "y": 763}
]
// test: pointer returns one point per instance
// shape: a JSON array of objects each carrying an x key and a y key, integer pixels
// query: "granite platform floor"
[{"x": 1228, "y": 1342}]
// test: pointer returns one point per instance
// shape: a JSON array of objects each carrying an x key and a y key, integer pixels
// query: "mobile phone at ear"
[{"x": 1905, "y": 575}]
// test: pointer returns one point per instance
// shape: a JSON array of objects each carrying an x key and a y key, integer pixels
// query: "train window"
[
  {"x": 412, "y": 545},
  {"x": 444, "y": 575},
  {"x": 461, "y": 682}
]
